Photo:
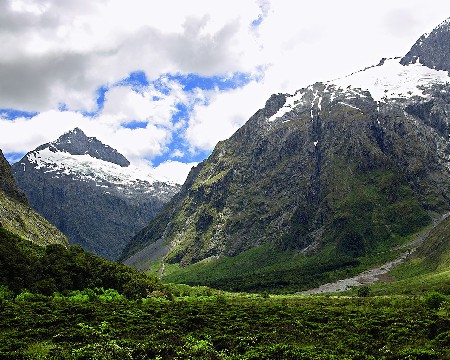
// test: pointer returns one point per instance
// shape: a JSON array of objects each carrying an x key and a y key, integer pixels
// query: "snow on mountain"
[
  {"x": 391, "y": 80},
  {"x": 388, "y": 80},
  {"x": 91, "y": 192},
  {"x": 87, "y": 168}
]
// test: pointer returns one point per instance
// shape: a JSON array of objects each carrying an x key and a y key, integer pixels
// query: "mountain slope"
[
  {"x": 427, "y": 269},
  {"x": 337, "y": 171},
  {"x": 24, "y": 266},
  {"x": 17, "y": 217},
  {"x": 90, "y": 192},
  {"x": 8, "y": 184}
]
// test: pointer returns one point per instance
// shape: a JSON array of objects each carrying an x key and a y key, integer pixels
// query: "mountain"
[
  {"x": 7, "y": 183},
  {"x": 90, "y": 192},
  {"x": 431, "y": 49},
  {"x": 17, "y": 217},
  {"x": 333, "y": 173}
]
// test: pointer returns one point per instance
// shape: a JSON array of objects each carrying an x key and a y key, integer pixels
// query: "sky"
[{"x": 163, "y": 81}]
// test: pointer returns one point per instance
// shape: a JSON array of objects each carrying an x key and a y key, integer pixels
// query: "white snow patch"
[
  {"x": 86, "y": 167},
  {"x": 393, "y": 80},
  {"x": 349, "y": 105},
  {"x": 288, "y": 106}
]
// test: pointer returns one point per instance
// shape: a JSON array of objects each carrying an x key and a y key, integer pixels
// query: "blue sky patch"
[
  {"x": 135, "y": 124},
  {"x": 257, "y": 22},
  {"x": 136, "y": 81},
  {"x": 193, "y": 81},
  {"x": 13, "y": 157},
  {"x": 11, "y": 114}
]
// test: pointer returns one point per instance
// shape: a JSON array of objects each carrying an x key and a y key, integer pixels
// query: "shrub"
[
  {"x": 433, "y": 300},
  {"x": 27, "y": 296},
  {"x": 363, "y": 291},
  {"x": 5, "y": 293},
  {"x": 110, "y": 295}
]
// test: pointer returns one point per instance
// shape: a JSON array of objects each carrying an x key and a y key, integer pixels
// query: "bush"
[
  {"x": 110, "y": 295},
  {"x": 5, "y": 293},
  {"x": 27, "y": 296},
  {"x": 363, "y": 291},
  {"x": 433, "y": 300}
]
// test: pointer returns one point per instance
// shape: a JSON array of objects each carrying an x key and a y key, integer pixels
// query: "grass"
[{"x": 267, "y": 269}]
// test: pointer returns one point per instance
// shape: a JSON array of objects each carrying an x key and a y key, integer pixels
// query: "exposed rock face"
[
  {"x": 90, "y": 192},
  {"x": 349, "y": 164},
  {"x": 17, "y": 216},
  {"x": 432, "y": 50}
]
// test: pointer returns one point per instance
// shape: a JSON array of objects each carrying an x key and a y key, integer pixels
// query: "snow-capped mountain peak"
[
  {"x": 76, "y": 142},
  {"x": 87, "y": 159},
  {"x": 87, "y": 168},
  {"x": 392, "y": 80},
  {"x": 78, "y": 180},
  {"x": 389, "y": 80}
]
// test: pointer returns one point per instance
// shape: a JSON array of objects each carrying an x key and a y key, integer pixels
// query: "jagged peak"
[
  {"x": 76, "y": 142},
  {"x": 432, "y": 49}
]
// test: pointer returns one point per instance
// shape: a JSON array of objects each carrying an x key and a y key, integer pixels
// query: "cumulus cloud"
[
  {"x": 223, "y": 114},
  {"x": 58, "y": 54},
  {"x": 24, "y": 134},
  {"x": 63, "y": 51},
  {"x": 175, "y": 171}
]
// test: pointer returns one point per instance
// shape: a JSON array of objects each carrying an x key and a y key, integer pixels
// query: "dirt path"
[{"x": 380, "y": 273}]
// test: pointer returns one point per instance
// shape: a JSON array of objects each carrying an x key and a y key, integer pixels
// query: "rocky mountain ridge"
[
  {"x": 344, "y": 167},
  {"x": 90, "y": 191},
  {"x": 75, "y": 142}
]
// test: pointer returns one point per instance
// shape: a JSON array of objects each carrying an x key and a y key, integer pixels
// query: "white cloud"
[
  {"x": 61, "y": 52},
  {"x": 173, "y": 170},
  {"x": 223, "y": 114},
  {"x": 65, "y": 51},
  {"x": 23, "y": 135}
]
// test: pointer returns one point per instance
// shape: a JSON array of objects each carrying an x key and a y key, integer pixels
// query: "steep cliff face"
[
  {"x": 349, "y": 166},
  {"x": 90, "y": 192},
  {"x": 16, "y": 215}
]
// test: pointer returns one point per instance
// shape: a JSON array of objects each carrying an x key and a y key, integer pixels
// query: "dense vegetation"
[
  {"x": 55, "y": 268},
  {"x": 62, "y": 303},
  {"x": 267, "y": 269},
  {"x": 226, "y": 327}
]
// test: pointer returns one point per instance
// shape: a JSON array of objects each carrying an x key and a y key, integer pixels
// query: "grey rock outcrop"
[
  {"x": 432, "y": 50},
  {"x": 76, "y": 142}
]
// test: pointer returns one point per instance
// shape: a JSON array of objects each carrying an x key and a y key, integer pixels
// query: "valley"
[{"x": 319, "y": 230}]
